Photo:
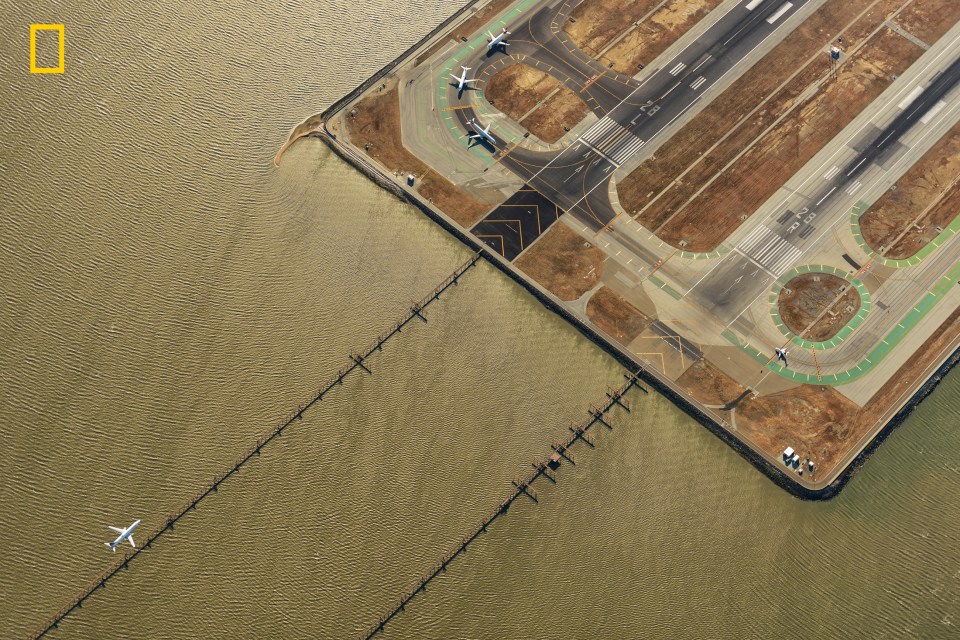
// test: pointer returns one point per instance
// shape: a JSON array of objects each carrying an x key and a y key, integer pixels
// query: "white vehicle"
[
  {"x": 462, "y": 80},
  {"x": 782, "y": 355},
  {"x": 497, "y": 40},
  {"x": 125, "y": 534},
  {"x": 480, "y": 133}
]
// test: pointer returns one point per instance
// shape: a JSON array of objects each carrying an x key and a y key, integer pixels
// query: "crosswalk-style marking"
[
  {"x": 829, "y": 174},
  {"x": 677, "y": 69},
  {"x": 769, "y": 250},
  {"x": 852, "y": 189},
  {"x": 696, "y": 83}
]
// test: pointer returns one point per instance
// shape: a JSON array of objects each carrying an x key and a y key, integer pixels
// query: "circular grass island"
[{"x": 816, "y": 305}]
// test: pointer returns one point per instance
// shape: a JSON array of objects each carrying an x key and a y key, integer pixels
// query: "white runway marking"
[
  {"x": 625, "y": 147},
  {"x": 753, "y": 4},
  {"x": 829, "y": 174},
  {"x": 910, "y": 97},
  {"x": 696, "y": 83},
  {"x": 852, "y": 189},
  {"x": 934, "y": 110},
  {"x": 779, "y": 12},
  {"x": 677, "y": 69},
  {"x": 820, "y": 201},
  {"x": 769, "y": 250}
]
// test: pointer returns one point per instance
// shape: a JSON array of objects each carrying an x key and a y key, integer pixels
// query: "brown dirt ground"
[
  {"x": 930, "y": 19},
  {"x": 708, "y": 384},
  {"x": 929, "y": 178},
  {"x": 470, "y": 25},
  {"x": 783, "y": 151},
  {"x": 816, "y": 421},
  {"x": 658, "y": 32},
  {"x": 807, "y": 299},
  {"x": 822, "y": 424},
  {"x": 617, "y": 317},
  {"x": 517, "y": 88},
  {"x": 598, "y": 22},
  {"x": 758, "y": 85},
  {"x": 563, "y": 109},
  {"x": 560, "y": 262},
  {"x": 377, "y": 121},
  {"x": 891, "y": 392}
]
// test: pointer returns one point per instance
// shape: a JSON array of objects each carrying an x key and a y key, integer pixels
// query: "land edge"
[{"x": 777, "y": 475}]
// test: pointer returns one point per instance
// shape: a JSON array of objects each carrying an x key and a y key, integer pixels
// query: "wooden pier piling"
[
  {"x": 522, "y": 487},
  {"x": 358, "y": 359}
]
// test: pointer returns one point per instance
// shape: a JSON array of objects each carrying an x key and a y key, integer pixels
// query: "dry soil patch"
[
  {"x": 782, "y": 151},
  {"x": 816, "y": 298},
  {"x": 654, "y": 35},
  {"x": 597, "y": 22},
  {"x": 708, "y": 384},
  {"x": 816, "y": 421},
  {"x": 518, "y": 88},
  {"x": 691, "y": 149},
  {"x": 615, "y": 316},
  {"x": 562, "y": 262},
  {"x": 375, "y": 120},
  {"x": 929, "y": 19},
  {"x": 930, "y": 181}
]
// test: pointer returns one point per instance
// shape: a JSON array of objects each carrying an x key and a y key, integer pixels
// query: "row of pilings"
[
  {"x": 357, "y": 361},
  {"x": 521, "y": 486}
]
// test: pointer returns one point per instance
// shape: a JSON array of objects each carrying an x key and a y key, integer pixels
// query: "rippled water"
[{"x": 168, "y": 293}]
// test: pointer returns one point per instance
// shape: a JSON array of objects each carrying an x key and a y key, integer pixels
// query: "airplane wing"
[
  {"x": 117, "y": 529},
  {"x": 473, "y": 136},
  {"x": 130, "y": 538}
]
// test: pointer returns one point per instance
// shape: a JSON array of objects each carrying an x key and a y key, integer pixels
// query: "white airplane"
[
  {"x": 462, "y": 80},
  {"x": 782, "y": 354},
  {"x": 480, "y": 133},
  {"x": 497, "y": 40},
  {"x": 125, "y": 534}
]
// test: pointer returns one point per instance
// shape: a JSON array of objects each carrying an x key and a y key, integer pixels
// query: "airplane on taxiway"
[
  {"x": 125, "y": 534},
  {"x": 480, "y": 133},
  {"x": 782, "y": 355},
  {"x": 497, "y": 40},
  {"x": 462, "y": 80}
]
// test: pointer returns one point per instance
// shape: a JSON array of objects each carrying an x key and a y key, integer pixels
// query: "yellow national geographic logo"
[{"x": 33, "y": 47}]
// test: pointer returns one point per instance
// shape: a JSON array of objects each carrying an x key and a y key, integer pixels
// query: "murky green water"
[{"x": 168, "y": 294}]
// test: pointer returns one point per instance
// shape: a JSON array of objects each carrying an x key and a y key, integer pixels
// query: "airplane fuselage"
[
  {"x": 498, "y": 39},
  {"x": 125, "y": 534}
]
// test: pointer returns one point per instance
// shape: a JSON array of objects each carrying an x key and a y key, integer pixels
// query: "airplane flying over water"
[
  {"x": 782, "y": 354},
  {"x": 497, "y": 40},
  {"x": 480, "y": 133},
  {"x": 462, "y": 80},
  {"x": 125, "y": 534}
]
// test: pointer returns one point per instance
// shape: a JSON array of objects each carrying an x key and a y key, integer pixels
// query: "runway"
[{"x": 631, "y": 114}]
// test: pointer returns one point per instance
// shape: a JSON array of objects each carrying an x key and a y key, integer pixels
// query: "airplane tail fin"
[{"x": 112, "y": 548}]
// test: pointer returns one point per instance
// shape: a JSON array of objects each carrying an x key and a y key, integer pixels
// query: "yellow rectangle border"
[{"x": 33, "y": 47}]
